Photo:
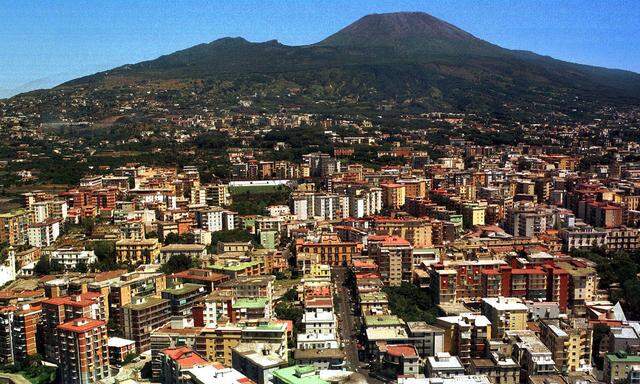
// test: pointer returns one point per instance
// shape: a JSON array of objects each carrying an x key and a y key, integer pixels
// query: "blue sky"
[{"x": 46, "y": 42}]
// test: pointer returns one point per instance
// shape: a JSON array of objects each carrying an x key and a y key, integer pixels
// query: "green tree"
[
  {"x": 106, "y": 254},
  {"x": 599, "y": 332},
  {"x": 177, "y": 263},
  {"x": 411, "y": 303},
  {"x": 81, "y": 267},
  {"x": 43, "y": 266}
]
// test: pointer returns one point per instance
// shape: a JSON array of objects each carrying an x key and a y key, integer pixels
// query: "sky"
[{"x": 43, "y": 43}]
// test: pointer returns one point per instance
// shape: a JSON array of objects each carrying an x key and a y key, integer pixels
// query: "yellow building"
[
  {"x": 393, "y": 195},
  {"x": 417, "y": 231},
  {"x": 137, "y": 251},
  {"x": 319, "y": 271},
  {"x": 414, "y": 187},
  {"x": 569, "y": 342},
  {"x": 472, "y": 215},
  {"x": 505, "y": 314},
  {"x": 468, "y": 192},
  {"x": 217, "y": 343}
]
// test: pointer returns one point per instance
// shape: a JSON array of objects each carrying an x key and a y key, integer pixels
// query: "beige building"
[
  {"x": 393, "y": 195},
  {"x": 569, "y": 343},
  {"x": 137, "y": 251},
  {"x": 505, "y": 314}
]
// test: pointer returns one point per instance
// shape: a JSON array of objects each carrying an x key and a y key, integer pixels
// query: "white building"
[
  {"x": 278, "y": 210},
  {"x": 444, "y": 365},
  {"x": 319, "y": 320},
  {"x": 300, "y": 207},
  {"x": 45, "y": 233},
  {"x": 40, "y": 211},
  {"x": 70, "y": 257},
  {"x": 365, "y": 202},
  {"x": 215, "y": 219},
  {"x": 316, "y": 341},
  {"x": 8, "y": 268},
  {"x": 202, "y": 237},
  {"x": 210, "y": 314},
  {"x": 460, "y": 379}
]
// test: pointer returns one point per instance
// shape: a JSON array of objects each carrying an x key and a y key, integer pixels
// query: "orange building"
[
  {"x": 84, "y": 353},
  {"x": 329, "y": 249}
]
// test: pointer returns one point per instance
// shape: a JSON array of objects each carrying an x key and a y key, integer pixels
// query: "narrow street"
[{"x": 347, "y": 324}]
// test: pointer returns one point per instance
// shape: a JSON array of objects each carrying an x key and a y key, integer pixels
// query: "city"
[{"x": 227, "y": 232}]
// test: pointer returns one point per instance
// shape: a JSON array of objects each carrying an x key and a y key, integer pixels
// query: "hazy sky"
[{"x": 48, "y": 42}]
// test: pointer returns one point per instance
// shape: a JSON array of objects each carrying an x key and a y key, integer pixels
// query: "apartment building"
[
  {"x": 182, "y": 297},
  {"x": 18, "y": 328},
  {"x": 329, "y": 249},
  {"x": 214, "y": 219},
  {"x": 59, "y": 310},
  {"x": 465, "y": 335},
  {"x": 569, "y": 342},
  {"x": 14, "y": 227},
  {"x": 530, "y": 353},
  {"x": 393, "y": 195},
  {"x": 143, "y": 251},
  {"x": 70, "y": 257},
  {"x": 195, "y": 251},
  {"x": 394, "y": 257},
  {"x": 126, "y": 288},
  {"x": 43, "y": 234},
  {"x": 416, "y": 231},
  {"x": 84, "y": 353},
  {"x": 142, "y": 316},
  {"x": 505, "y": 314}
]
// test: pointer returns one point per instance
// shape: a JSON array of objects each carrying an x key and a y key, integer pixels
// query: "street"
[{"x": 346, "y": 324}]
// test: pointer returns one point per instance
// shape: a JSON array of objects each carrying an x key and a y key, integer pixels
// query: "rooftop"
[
  {"x": 404, "y": 350},
  {"x": 185, "y": 288},
  {"x": 299, "y": 374},
  {"x": 382, "y": 321},
  {"x": 251, "y": 303},
  {"x": 145, "y": 302}
]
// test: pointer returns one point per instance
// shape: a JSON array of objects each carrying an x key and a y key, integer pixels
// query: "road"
[{"x": 347, "y": 325}]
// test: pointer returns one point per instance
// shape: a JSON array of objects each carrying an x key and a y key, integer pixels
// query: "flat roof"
[
  {"x": 382, "y": 320},
  {"x": 149, "y": 301},
  {"x": 235, "y": 267},
  {"x": 299, "y": 374},
  {"x": 310, "y": 354},
  {"x": 119, "y": 342},
  {"x": 184, "y": 288},
  {"x": 251, "y": 302}
]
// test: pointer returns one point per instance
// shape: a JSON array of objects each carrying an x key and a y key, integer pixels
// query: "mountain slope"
[{"x": 411, "y": 58}]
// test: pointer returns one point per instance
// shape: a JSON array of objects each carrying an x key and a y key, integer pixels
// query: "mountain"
[
  {"x": 412, "y": 59},
  {"x": 411, "y": 33}
]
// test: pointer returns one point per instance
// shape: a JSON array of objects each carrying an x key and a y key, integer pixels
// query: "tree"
[
  {"x": 88, "y": 224},
  {"x": 411, "y": 303},
  {"x": 285, "y": 310},
  {"x": 106, "y": 254},
  {"x": 56, "y": 267},
  {"x": 43, "y": 266},
  {"x": 599, "y": 332},
  {"x": 81, "y": 267},
  {"x": 174, "y": 238},
  {"x": 177, "y": 263}
]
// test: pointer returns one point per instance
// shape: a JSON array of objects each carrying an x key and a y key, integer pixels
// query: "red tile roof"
[
  {"x": 81, "y": 325},
  {"x": 184, "y": 356},
  {"x": 404, "y": 350}
]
